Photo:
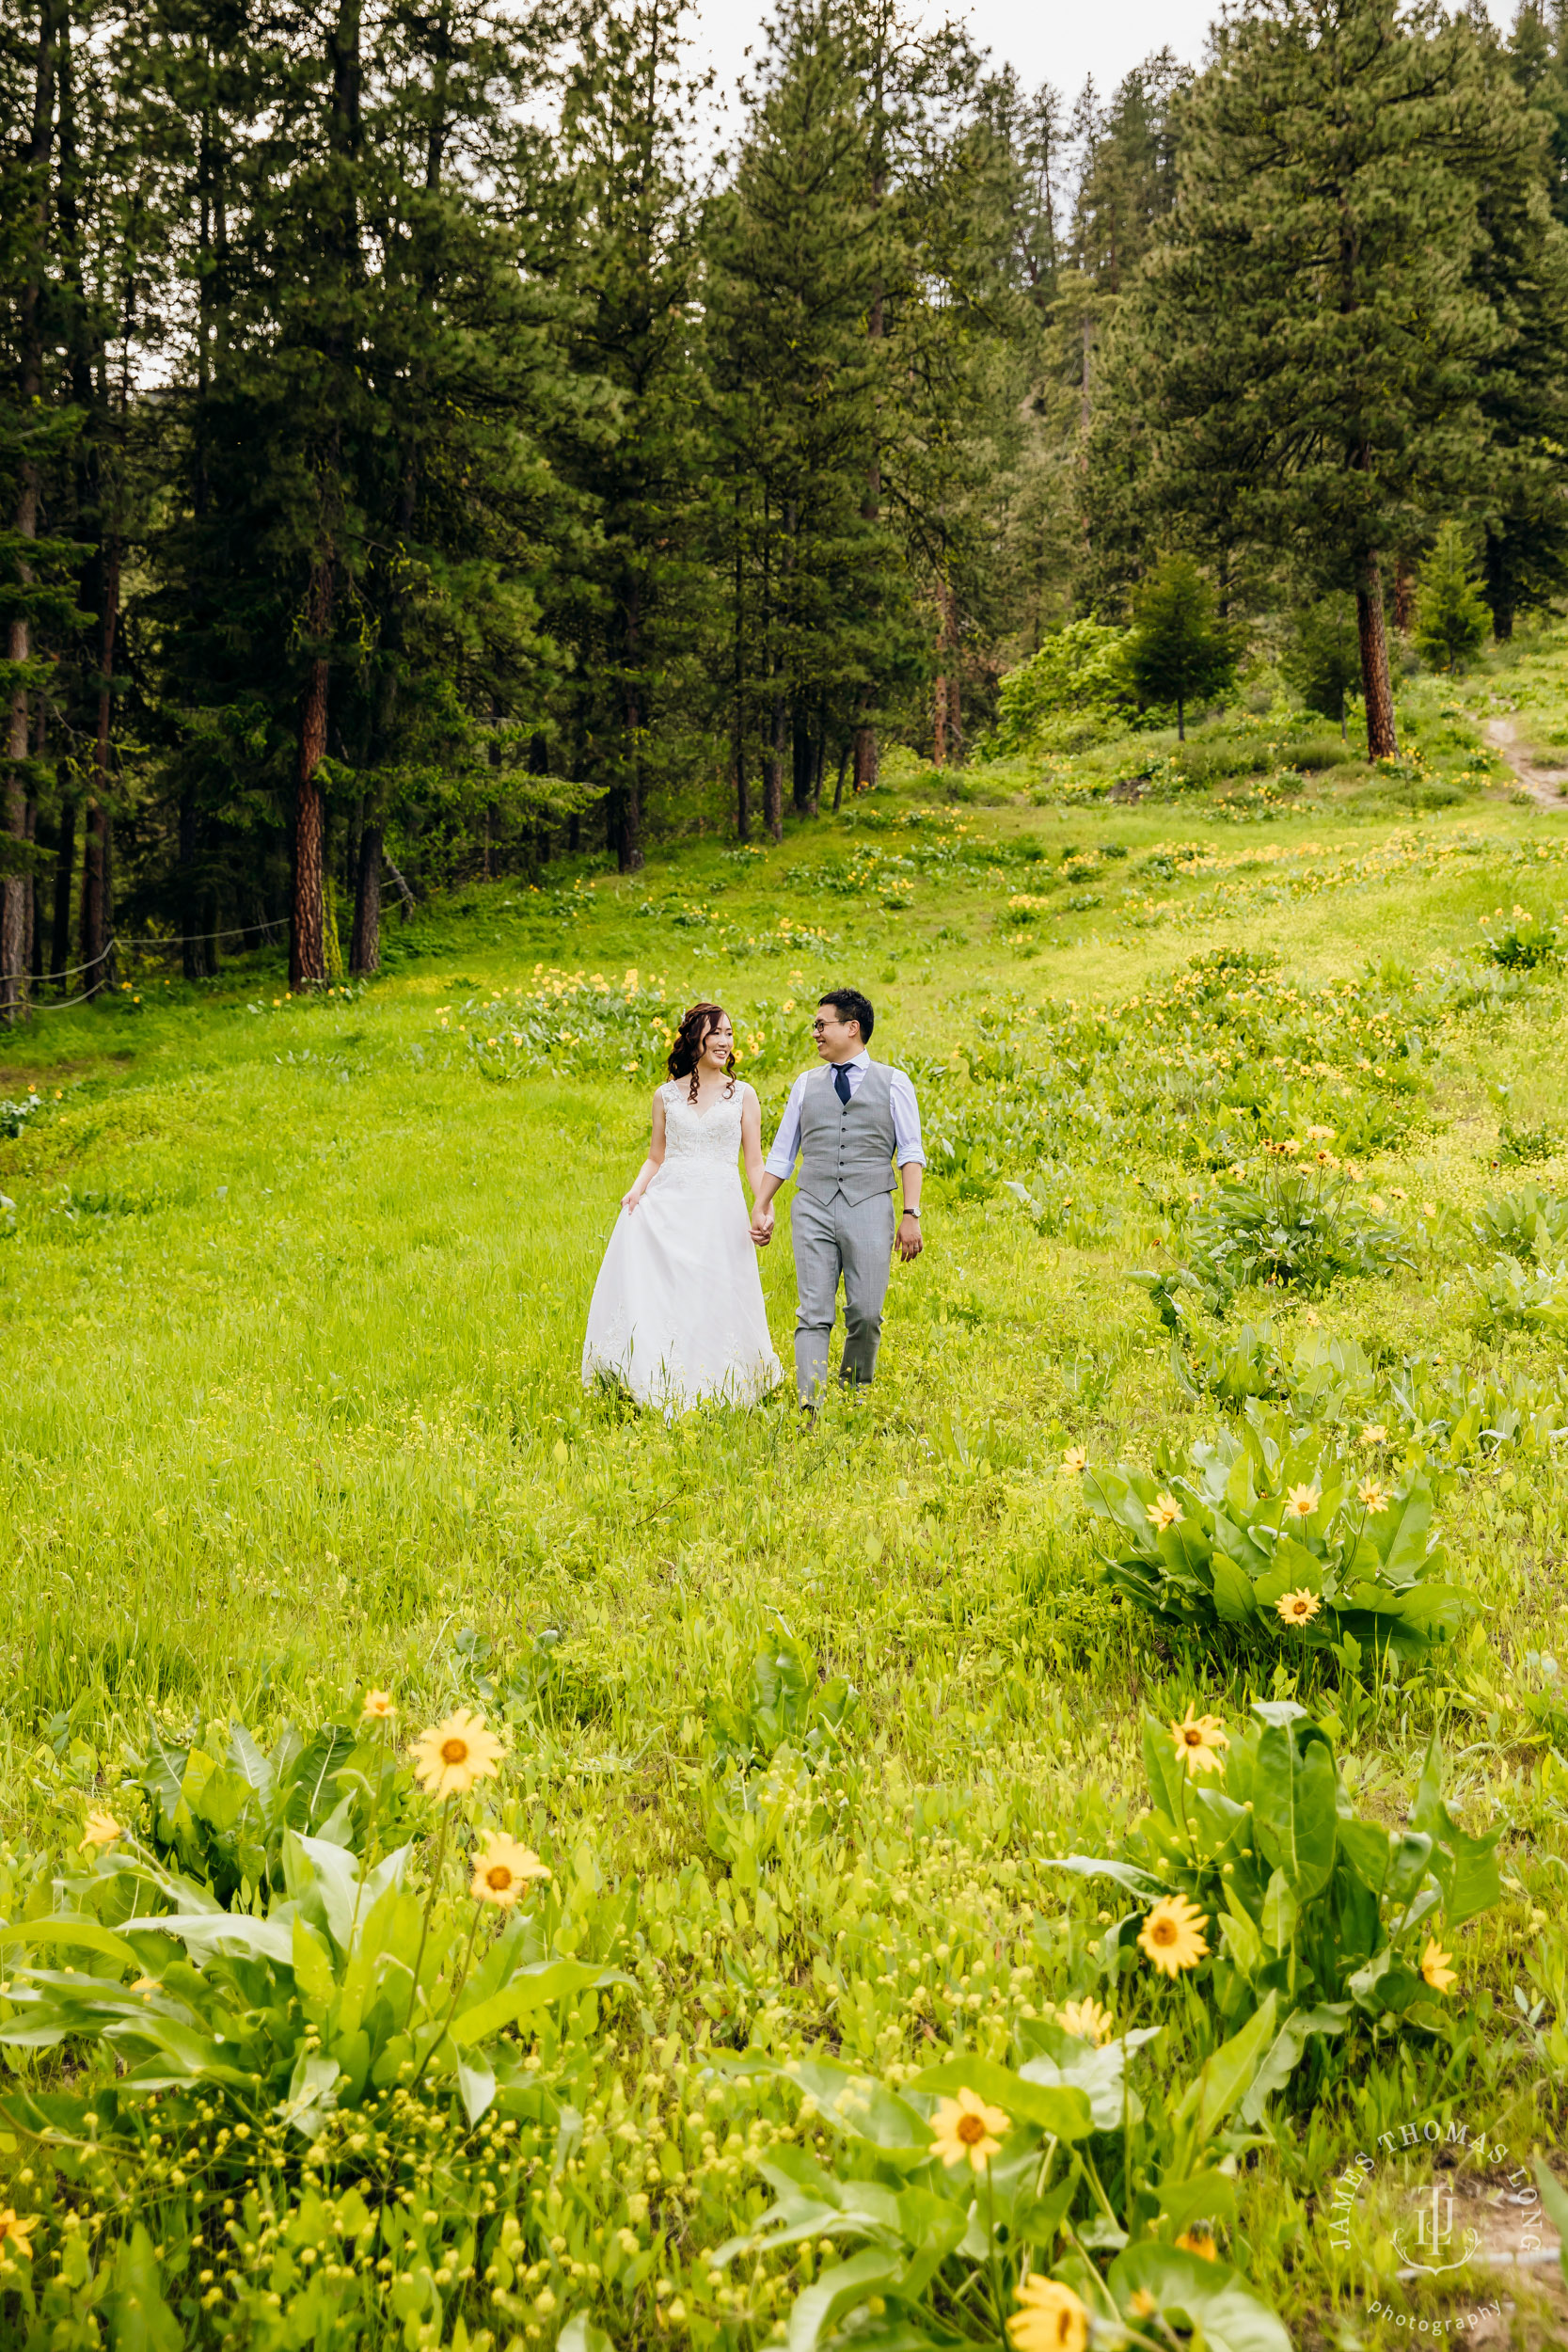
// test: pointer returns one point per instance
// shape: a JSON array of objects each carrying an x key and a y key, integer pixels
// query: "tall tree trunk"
[
  {"x": 364, "y": 955},
  {"x": 65, "y": 861},
  {"x": 16, "y": 888},
  {"x": 772, "y": 769},
  {"x": 838, "y": 788},
  {"x": 1500, "y": 587},
  {"x": 193, "y": 950},
  {"x": 1404, "y": 595},
  {"x": 1376, "y": 685},
  {"x": 306, "y": 934}
]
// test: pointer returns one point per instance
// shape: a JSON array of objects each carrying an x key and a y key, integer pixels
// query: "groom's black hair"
[{"x": 850, "y": 1005}]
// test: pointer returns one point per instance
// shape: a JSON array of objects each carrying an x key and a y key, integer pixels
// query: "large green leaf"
[
  {"x": 1206, "y": 2294},
  {"x": 531, "y": 1988},
  {"x": 1284, "y": 2057},
  {"x": 84, "y": 1935},
  {"x": 1228, "y": 2074},
  {"x": 1294, "y": 1813},
  {"x": 847, "y": 2283}
]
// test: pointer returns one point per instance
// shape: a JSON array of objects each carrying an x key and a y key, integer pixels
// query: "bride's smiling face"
[{"x": 718, "y": 1046}]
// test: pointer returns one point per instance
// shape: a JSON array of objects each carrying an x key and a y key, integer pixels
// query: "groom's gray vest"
[{"x": 847, "y": 1147}]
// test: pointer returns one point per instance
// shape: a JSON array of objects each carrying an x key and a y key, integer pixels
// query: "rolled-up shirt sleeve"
[
  {"x": 786, "y": 1143},
  {"x": 906, "y": 1122}
]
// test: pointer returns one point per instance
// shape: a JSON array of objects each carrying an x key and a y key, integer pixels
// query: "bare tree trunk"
[
  {"x": 772, "y": 771},
  {"x": 306, "y": 933},
  {"x": 65, "y": 861},
  {"x": 1376, "y": 685},
  {"x": 16, "y": 889},
  {"x": 364, "y": 955},
  {"x": 1404, "y": 596}
]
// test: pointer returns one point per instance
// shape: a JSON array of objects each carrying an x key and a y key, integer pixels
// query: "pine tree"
[
  {"x": 627, "y": 137},
  {"x": 1311, "y": 342},
  {"x": 1322, "y": 658},
  {"x": 1451, "y": 617},
  {"x": 1180, "y": 650}
]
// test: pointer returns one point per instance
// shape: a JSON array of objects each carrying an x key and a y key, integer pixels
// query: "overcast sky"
[{"x": 1060, "y": 44}]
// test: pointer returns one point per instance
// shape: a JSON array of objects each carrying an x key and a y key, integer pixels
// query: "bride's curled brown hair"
[{"x": 686, "y": 1051}]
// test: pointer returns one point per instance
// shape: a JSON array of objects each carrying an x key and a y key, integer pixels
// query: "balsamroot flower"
[
  {"x": 504, "y": 1871},
  {"x": 1435, "y": 1967},
  {"x": 1302, "y": 1501},
  {"x": 1198, "y": 1740},
  {"x": 965, "y": 2129},
  {"x": 1050, "y": 2317},
  {"x": 1075, "y": 1462},
  {"x": 1165, "y": 1511},
  {"x": 100, "y": 1828},
  {"x": 1087, "y": 2022},
  {"x": 1172, "y": 1935},
  {"x": 379, "y": 1707},
  {"x": 1371, "y": 1496},
  {"x": 448, "y": 1760},
  {"x": 1298, "y": 1608},
  {"x": 1200, "y": 2243}
]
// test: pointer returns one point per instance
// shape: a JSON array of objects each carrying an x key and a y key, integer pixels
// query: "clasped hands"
[{"x": 762, "y": 1227}]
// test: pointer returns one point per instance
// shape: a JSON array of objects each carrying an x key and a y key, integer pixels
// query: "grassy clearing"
[{"x": 293, "y": 1306}]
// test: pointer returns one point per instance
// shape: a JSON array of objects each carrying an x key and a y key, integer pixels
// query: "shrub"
[
  {"x": 1273, "y": 1538},
  {"x": 1079, "y": 670},
  {"x": 1528, "y": 1298}
]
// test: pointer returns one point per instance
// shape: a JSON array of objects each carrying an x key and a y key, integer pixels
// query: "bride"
[{"x": 677, "y": 1314}]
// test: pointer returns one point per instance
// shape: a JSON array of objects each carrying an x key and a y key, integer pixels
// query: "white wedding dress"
[{"x": 678, "y": 1315}]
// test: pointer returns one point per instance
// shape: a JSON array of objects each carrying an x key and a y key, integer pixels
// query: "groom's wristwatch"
[{"x": 914, "y": 1213}]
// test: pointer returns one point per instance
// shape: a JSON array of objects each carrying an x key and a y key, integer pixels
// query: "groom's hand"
[
  {"x": 908, "y": 1241},
  {"x": 762, "y": 1227}
]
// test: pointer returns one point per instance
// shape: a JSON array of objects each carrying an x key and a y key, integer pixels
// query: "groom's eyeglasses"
[{"x": 820, "y": 1026}]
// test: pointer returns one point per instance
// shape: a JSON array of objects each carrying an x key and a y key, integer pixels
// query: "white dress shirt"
[{"x": 905, "y": 1119}]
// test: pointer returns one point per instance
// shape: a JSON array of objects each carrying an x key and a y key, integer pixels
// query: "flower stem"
[{"x": 428, "y": 1907}]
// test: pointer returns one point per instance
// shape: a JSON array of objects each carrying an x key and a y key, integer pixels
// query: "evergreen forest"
[{"x": 424, "y": 450}]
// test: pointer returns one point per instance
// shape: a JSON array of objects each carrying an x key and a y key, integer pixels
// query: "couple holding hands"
[{"x": 678, "y": 1315}]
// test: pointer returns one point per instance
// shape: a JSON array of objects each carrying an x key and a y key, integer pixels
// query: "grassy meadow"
[{"x": 799, "y": 1720}]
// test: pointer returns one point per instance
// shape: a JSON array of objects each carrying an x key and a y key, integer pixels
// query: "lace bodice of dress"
[{"x": 700, "y": 1145}]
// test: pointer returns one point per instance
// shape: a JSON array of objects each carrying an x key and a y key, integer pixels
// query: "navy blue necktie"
[{"x": 841, "y": 1082}]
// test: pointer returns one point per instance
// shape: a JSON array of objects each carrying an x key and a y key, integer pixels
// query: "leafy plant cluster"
[
  {"x": 1522, "y": 1288},
  {"x": 1334, "y": 1915},
  {"x": 1452, "y": 1416},
  {"x": 1271, "y": 1540},
  {"x": 588, "y": 1027}
]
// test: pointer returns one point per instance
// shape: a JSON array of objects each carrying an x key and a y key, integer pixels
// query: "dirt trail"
[{"x": 1546, "y": 785}]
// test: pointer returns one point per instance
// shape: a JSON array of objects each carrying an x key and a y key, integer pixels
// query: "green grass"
[{"x": 293, "y": 1309}]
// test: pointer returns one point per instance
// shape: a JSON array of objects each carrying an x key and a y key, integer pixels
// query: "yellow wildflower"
[
  {"x": 100, "y": 1828},
  {"x": 1086, "y": 2021},
  {"x": 1050, "y": 2317},
  {"x": 16, "y": 2232},
  {"x": 1298, "y": 1608},
  {"x": 1435, "y": 1967},
  {"x": 504, "y": 1871},
  {"x": 1172, "y": 1938},
  {"x": 1198, "y": 1740},
  {"x": 965, "y": 2129},
  {"x": 448, "y": 1760},
  {"x": 1373, "y": 1432},
  {"x": 1371, "y": 1496},
  {"x": 1074, "y": 1461},
  {"x": 1165, "y": 1512},
  {"x": 1198, "y": 2242},
  {"x": 379, "y": 1707},
  {"x": 1302, "y": 1501}
]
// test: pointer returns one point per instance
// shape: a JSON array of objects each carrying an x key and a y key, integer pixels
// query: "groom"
[{"x": 846, "y": 1122}]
